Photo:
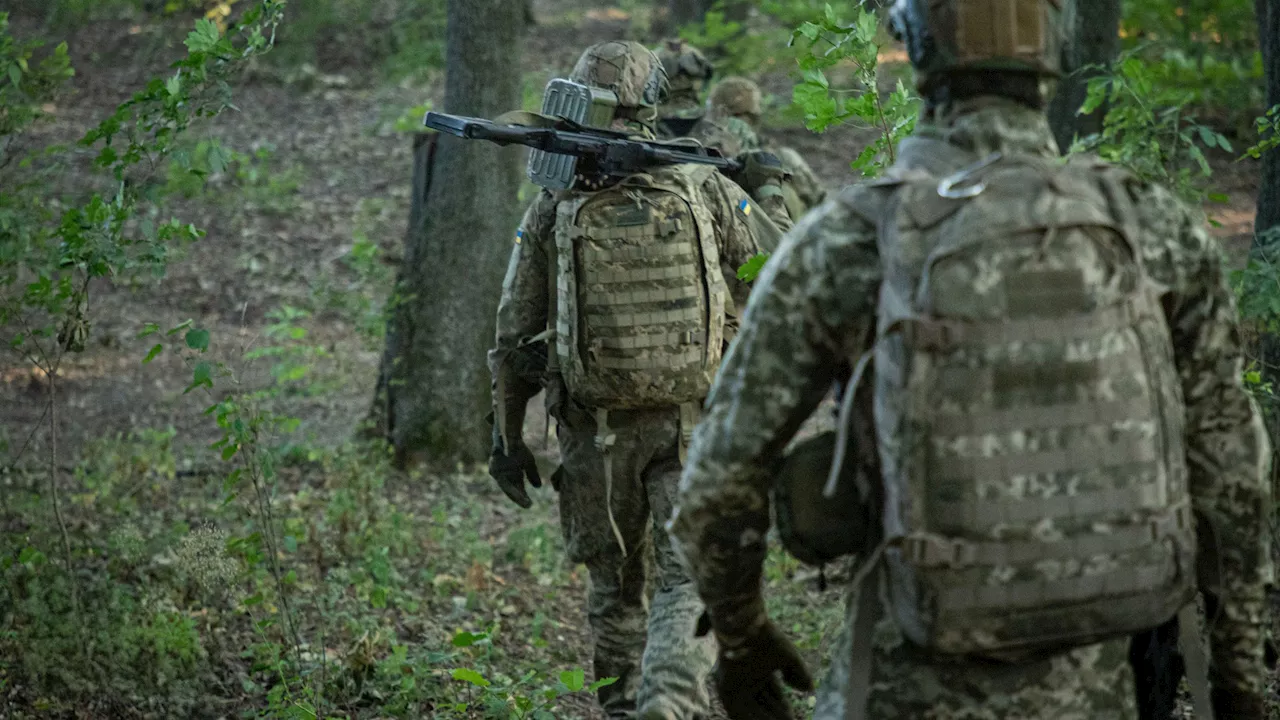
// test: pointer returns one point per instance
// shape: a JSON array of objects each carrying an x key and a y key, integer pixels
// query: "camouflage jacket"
[
  {"x": 526, "y": 307},
  {"x": 815, "y": 307}
]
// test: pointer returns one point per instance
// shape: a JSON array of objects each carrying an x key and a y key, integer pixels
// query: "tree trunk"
[
  {"x": 684, "y": 12},
  {"x": 1094, "y": 39},
  {"x": 1268, "y": 217},
  {"x": 433, "y": 388}
]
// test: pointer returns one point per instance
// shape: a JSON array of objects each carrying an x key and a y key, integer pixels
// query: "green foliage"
[
  {"x": 757, "y": 43},
  {"x": 831, "y": 42},
  {"x": 828, "y": 44},
  {"x": 1207, "y": 48},
  {"x": 1149, "y": 129},
  {"x": 405, "y": 37},
  {"x": 1268, "y": 129},
  {"x": 49, "y": 258}
]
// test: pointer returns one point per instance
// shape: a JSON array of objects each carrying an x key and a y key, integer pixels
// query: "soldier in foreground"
[
  {"x": 688, "y": 72},
  {"x": 1050, "y": 360},
  {"x": 735, "y": 104},
  {"x": 634, "y": 283}
]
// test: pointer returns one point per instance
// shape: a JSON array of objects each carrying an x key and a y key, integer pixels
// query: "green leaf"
[
  {"x": 1207, "y": 136},
  {"x": 198, "y": 339},
  {"x": 174, "y": 84},
  {"x": 156, "y": 350},
  {"x": 467, "y": 639},
  {"x": 1219, "y": 198},
  {"x": 201, "y": 376},
  {"x": 378, "y": 598},
  {"x": 469, "y": 675},
  {"x": 15, "y": 75},
  {"x": 573, "y": 679},
  {"x": 602, "y": 682},
  {"x": 751, "y": 268},
  {"x": 204, "y": 37}
]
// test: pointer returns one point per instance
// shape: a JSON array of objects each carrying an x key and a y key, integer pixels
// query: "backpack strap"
[{"x": 1196, "y": 660}]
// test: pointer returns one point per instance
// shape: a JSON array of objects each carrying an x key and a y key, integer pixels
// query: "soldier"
[
  {"x": 735, "y": 104},
  {"x": 1050, "y": 358},
  {"x": 688, "y": 71},
  {"x": 634, "y": 285}
]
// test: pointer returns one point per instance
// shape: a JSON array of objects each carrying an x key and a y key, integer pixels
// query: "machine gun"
[{"x": 570, "y": 151}]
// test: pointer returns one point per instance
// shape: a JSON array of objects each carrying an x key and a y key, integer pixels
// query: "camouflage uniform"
[
  {"x": 816, "y": 306},
  {"x": 734, "y": 108},
  {"x": 618, "y": 480}
]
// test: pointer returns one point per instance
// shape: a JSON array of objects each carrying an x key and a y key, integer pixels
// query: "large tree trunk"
[
  {"x": 433, "y": 389},
  {"x": 1094, "y": 38}
]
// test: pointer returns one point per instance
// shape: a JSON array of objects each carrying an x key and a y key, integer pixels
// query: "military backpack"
[
  {"x": 640, "y": 298},
  {"x": 1027, "y": 409}
]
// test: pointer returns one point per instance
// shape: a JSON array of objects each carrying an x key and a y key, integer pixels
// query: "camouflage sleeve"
[
  {"x": 523, "y": 313},
  {"x": 742, "y": 231},
  {"x": 1227, "y": 448},
  {"x": 814, "y": 297}
]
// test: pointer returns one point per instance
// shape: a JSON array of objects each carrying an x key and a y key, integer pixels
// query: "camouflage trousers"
[
  {"x": 661, "y": 667},
  {"x": 1092, "y": 682}
]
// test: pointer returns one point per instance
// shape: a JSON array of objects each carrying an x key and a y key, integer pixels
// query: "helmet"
[
  {"x": 736, "y": 96},
  {"x": 945, "y": 36},
  {"x": 629, "y": 69},
  {"x": 686, "y": 66}
]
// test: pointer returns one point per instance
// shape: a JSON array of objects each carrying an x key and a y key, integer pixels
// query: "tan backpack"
[
  {"x": 640, "y": 298},
  {"x": 1028, "y": 412}
]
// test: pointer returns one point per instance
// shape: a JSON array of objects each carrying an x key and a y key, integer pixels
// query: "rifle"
[{"x": 601, "y": 155}]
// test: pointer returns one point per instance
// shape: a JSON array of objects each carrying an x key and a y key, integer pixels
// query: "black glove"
[
  {"x": 746, "y": 675},
  {"x": 511, "y": 470},
  {"x": 1237, "y": 706},
  {"x": 759, "y": 168}
]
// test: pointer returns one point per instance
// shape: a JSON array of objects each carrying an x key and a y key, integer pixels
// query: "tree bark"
[
  {"x": 684, "y": 12},
  {"x": 1268, "y": 217},
  {"x": 433, "y": 389},
  {"x": 1093, "y": 39}
]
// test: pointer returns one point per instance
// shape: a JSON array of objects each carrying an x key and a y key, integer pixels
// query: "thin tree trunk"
[
  {"x": 1094, "y": 39},
  {"x": 1268, "y": 217},
  {"x": 433, "y": 389},
  {"x": 684, "y": 12}
]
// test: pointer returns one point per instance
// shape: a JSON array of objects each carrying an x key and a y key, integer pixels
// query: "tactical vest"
[
  {"x": 640, "y": 298},
  {"x": 1028, "y": 412}
]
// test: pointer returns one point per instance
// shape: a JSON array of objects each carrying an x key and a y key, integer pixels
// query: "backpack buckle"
[
  {"x": 932, "y": 335},
  {"x": 934, "y": 551}
]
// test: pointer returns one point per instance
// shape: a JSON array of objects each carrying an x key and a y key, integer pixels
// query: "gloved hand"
[
  {"x": 746, "y": 674},
  {"x": 759, "y": 169},
  {"x": 1229, "y": 705},
  {"x": 512, "y": 469}
]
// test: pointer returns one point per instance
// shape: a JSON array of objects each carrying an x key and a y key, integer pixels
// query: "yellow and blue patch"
[
  {"x": 519, "y": 235},
  {"x": 745, "y": 207}
]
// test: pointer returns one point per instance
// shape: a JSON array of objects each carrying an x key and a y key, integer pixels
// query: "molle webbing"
[
  {"x": 1119, "y": 583},
  {"x": 639, "y": 298},
  {"x": 1034, "y": 509},
  {"x": 935, "y": 551},
  {"x": 942, "y": 335}
]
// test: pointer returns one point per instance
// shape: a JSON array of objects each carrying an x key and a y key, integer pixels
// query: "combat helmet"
[
  {"x": 946, "y": 38},
  {"x": 632, "y": 71},
  {"x": 736, "y": 96},
  {"x": 686, "y": 66}
]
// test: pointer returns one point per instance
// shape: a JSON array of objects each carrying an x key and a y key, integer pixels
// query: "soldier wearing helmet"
[
  {"x": 618, "y": 301},
  {"x": 734, "y": 106},
  {"x": 967, "y": 306},
  {"x": 689, "y": 72}
]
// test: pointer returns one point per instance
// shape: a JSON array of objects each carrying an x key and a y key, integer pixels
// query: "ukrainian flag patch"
[
  {"x": 519, "y": 235},
  {"x": 745, "y": 207}
]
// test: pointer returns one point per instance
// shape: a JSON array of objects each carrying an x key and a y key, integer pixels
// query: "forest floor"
[{"x": 385, "y": 572}]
